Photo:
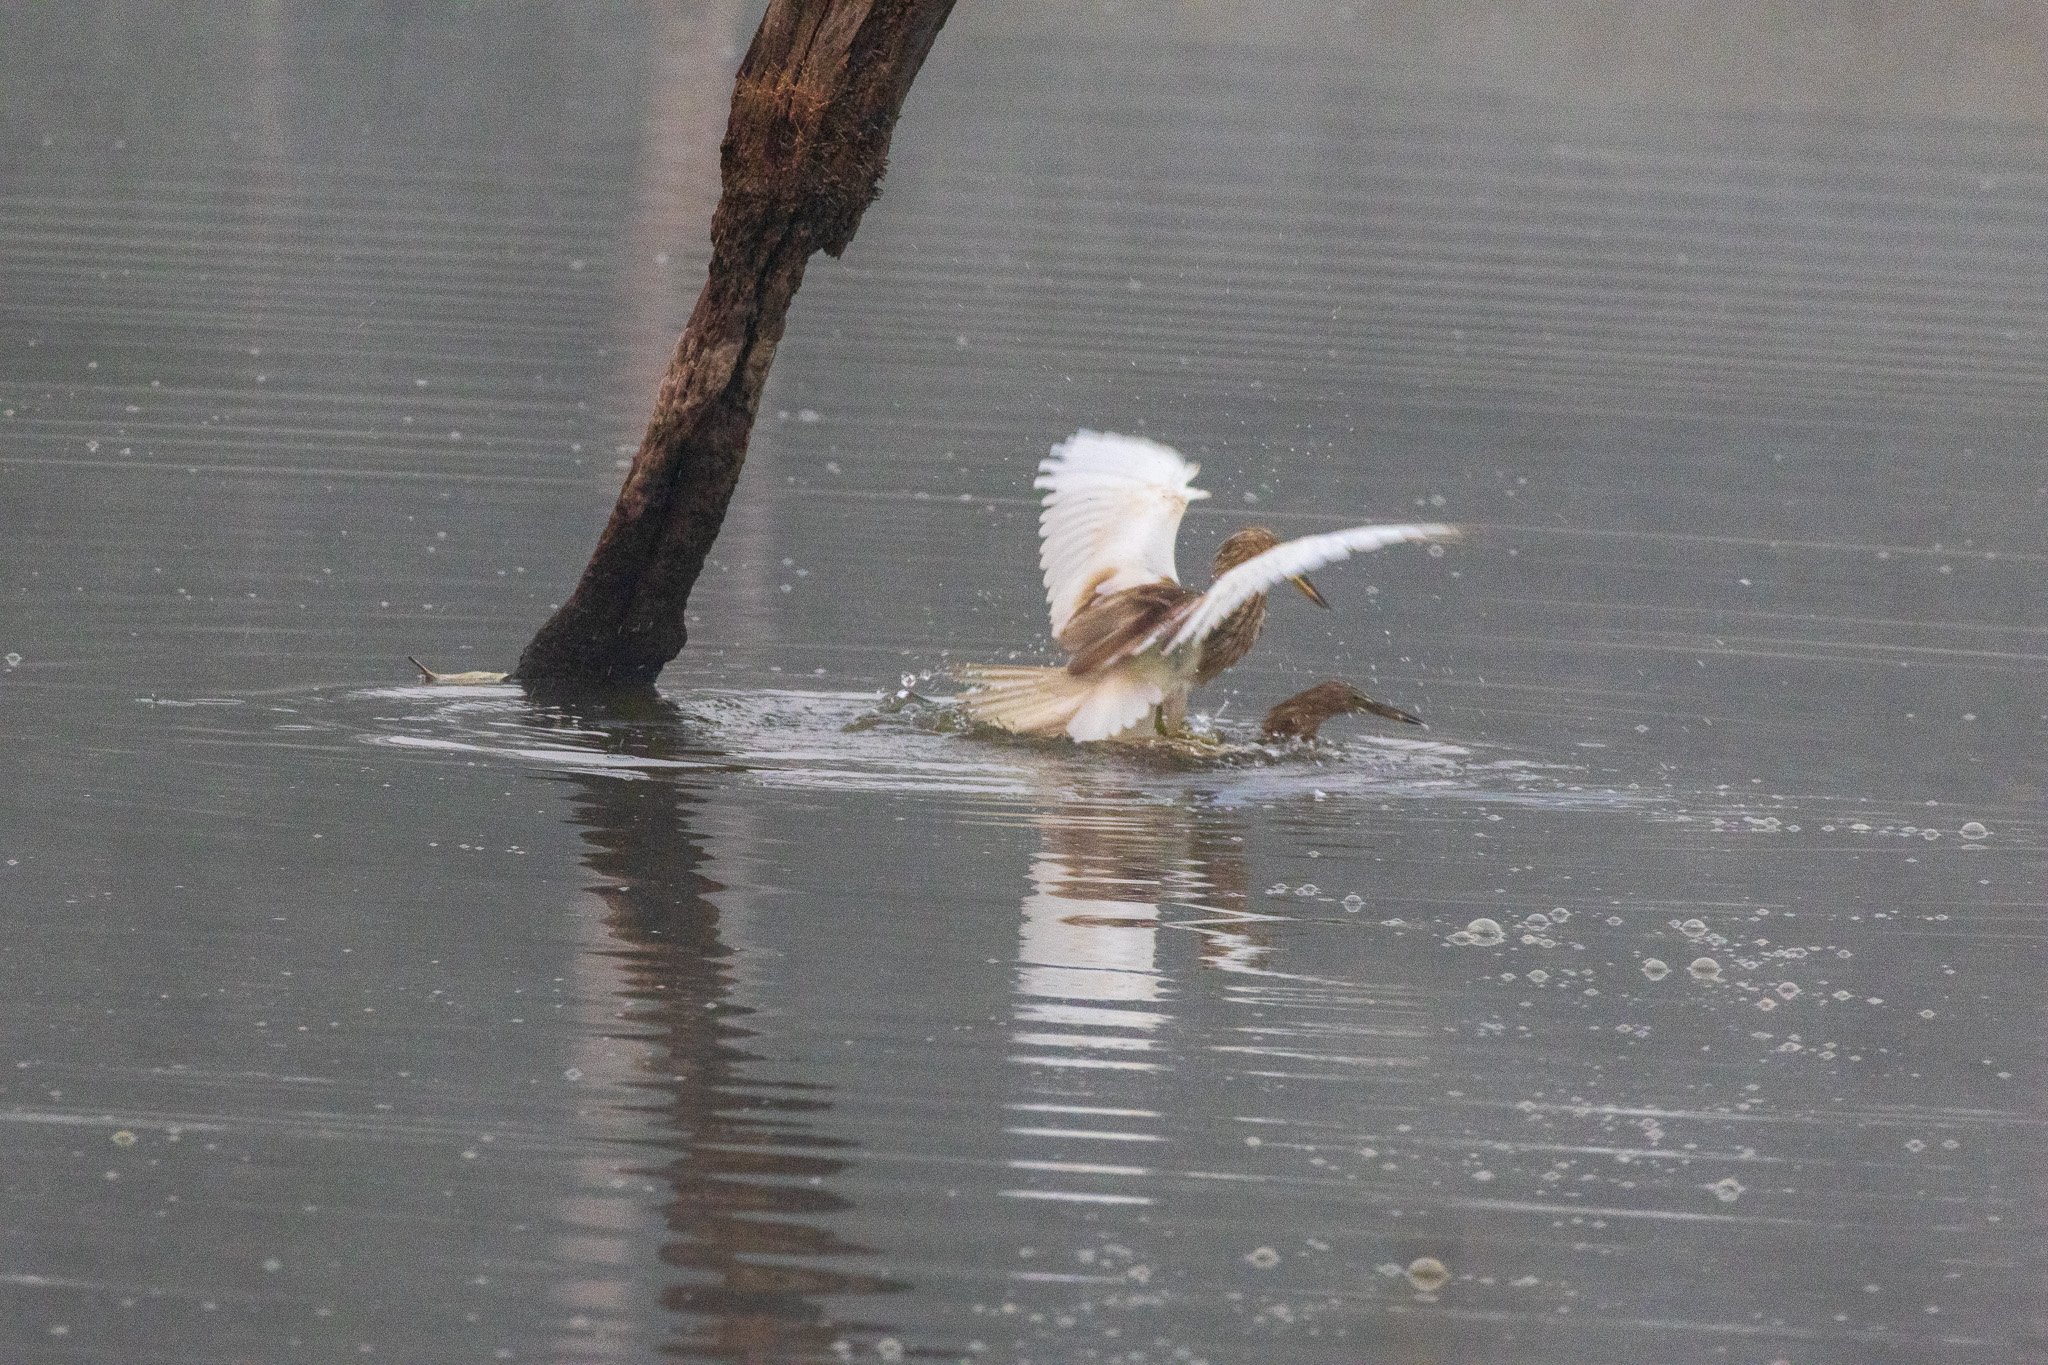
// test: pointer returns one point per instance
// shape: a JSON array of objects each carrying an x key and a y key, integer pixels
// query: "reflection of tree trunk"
[
  {"x": 813, "y": 110},
  {"x": 740, "y": 1193}
]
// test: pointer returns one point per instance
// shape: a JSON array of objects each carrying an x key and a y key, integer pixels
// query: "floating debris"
[{"x": 473, "y": 678}]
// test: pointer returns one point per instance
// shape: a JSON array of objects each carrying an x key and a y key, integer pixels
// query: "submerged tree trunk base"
[{"x": 813, "y": 109}]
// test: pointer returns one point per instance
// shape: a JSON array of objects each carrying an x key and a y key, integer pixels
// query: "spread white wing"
[
  {"x": 1112, "y": 510},
  {"x": 1282, "y": 562}
]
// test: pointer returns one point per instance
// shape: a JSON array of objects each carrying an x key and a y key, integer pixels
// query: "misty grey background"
[{"x": 345, "y": 1018}]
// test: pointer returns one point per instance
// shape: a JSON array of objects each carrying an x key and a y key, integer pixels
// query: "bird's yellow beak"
[{"x": 1308, "y": 590}]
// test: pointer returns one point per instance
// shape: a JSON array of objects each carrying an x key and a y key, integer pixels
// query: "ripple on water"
[{"x": 850, "y": 740}]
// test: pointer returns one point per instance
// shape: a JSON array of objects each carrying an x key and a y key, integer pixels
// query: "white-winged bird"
[{"x": 1137, "y": 640}]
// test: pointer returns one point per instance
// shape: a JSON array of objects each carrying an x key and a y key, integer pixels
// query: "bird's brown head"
[
  {"x": 1252, "y": 542},
  {"x": 1249, "y": 543},
  {"x": 1301, "y": 715}
]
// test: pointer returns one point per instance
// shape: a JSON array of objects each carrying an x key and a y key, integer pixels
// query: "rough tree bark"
[{"x": 808, "y": 139}]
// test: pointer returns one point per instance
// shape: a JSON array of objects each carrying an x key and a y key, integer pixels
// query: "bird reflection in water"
[
  {"x": 1092, "y": 1011},
  {"x": 751, "y": 1175}
]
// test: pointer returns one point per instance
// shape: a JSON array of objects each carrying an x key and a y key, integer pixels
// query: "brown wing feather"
[{"x": 1117, "y": 626}]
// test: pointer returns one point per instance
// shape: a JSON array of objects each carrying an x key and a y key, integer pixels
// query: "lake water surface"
[{"x": 1675, "y": 996}]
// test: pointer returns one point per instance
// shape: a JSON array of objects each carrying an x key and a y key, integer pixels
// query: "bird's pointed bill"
[
  {"x": 1380, "y": 708},
  {"x": 1309, "y": 590}
]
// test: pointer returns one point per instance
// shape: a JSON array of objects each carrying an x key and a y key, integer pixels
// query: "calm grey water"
[{"x": 346, "y": 1018}]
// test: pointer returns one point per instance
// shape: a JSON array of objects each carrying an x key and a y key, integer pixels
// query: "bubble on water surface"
[
  {"x": 1973, "y": 830},
  {"x": 13, "y": 660},
  {"x": 1656, "y": 968},
  {"x": 1427, "y": 1274},
  {"x": 1705, "y": 969},
  {"x": 1264, "y": 1258},
  {"x": 1727, "y": 1189}
]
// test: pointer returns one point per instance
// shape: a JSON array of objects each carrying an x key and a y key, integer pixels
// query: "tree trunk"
[{"x": 812, "y": 113}]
